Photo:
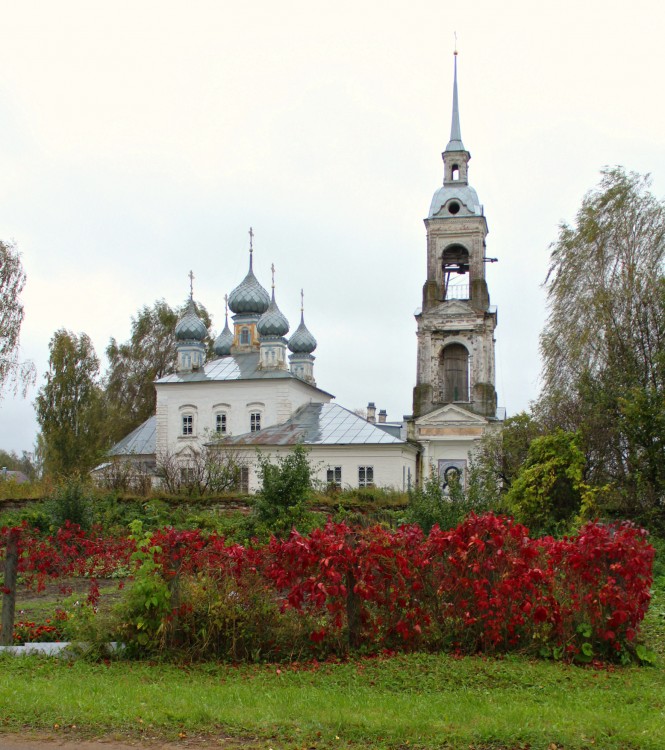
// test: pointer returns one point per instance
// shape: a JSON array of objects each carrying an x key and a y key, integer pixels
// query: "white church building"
[{"x": 259, "y": 392}]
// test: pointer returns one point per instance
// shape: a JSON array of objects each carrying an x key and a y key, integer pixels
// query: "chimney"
[
  {"x": 371, "y": 412},
  {"x": 383, "y": 415}
]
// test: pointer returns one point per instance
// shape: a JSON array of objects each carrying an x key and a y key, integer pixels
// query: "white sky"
[{"x": 141, "y": 139}]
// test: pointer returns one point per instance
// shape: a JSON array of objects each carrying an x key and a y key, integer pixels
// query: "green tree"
[
  {"x": 604, "y": 342},
  {"x": 550, "y": 488},
  {"x": 69, "y": 406},
  {"x": 134, "y": 365},
  {"x": 285, "y": 487},
  {"x": 12, "y": 461},
  {"x": 499, "y": 457},
  {"x": 12, "y": 280}
]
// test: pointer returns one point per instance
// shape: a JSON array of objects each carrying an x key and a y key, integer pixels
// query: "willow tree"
[{"x": 603, "y": 346}]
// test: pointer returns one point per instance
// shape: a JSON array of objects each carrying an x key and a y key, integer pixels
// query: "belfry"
[{"x": 454, "y": 399}]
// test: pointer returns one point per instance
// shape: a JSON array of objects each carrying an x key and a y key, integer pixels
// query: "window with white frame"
[
  {"x": 220, "y": 423},
  {"x": 365, "y": 476},
  {"x": 255, "y": 421},
  {"x": 187, "y": 424},
  {"x": 187, "y": 475},
  {"x": 334, "y": 476}
]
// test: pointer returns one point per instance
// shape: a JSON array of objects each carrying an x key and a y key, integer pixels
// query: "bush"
[
  {"x": 285, "y": 488},
  {"x": 430, "y": 506},
  {"x": 71, "y": 501}
]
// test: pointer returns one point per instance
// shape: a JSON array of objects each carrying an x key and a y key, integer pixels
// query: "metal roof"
[
  {"x": 140, "y": 442},
  {"x": 465, "y": 194},
  {"x": 455, "y": 142},
  {"x": 233, "y": 367},
  {"x": 319, "y": 424}
]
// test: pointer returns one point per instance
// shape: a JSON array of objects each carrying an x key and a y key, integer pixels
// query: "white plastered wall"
[
  {"x": 275, "y": 399},
  {"x": 394, "y": 465}
]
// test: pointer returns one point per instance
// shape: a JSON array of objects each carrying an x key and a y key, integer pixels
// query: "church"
[{"x": 259, "y": 392}]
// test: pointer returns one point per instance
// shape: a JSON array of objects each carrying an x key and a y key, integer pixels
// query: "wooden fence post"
[
  {"x": 9, "y": 592},
  {"x": 352, "y": 603}
]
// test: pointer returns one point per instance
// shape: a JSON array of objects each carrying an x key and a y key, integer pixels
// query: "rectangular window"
[
  {"x": 244, "y": 479},
  {"x": 220, "y": 423},
  {"x": 186, "y": 474},
  {"x": 187, "y": 424},
  {"x": 255, "y": 421},
  {"x": 365, "y": 476},
  {"x": 334, "y": 476}
]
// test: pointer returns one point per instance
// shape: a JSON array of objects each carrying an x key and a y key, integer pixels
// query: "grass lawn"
[{"x": 414, "y": 701}]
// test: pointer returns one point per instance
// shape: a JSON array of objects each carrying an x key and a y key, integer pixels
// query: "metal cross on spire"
[
  {"x": 251, "y": 246},
  {"x": 272, "y": 268},
  {"x": 191, "y": 284},
  {"x": 302, "y": 301},
  {"x": 226, "y": 305}
]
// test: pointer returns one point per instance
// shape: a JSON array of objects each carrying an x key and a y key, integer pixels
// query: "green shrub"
[
  {"x": 549, "y": 492},
  {"x": 285, "y": 488},
  {"x": 429, "y": 505},
  {"x": 71, "y": 501}
]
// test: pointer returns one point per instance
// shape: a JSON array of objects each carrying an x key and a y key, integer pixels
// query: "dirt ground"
[{"x": 51, "y": 741}]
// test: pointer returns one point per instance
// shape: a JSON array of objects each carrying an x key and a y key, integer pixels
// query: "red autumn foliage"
[{"x": 485, "y": 586}]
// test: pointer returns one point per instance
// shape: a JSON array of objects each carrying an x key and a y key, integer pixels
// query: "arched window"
[
  {"x": 454, "y": 374},
  {"x": 244, "y": 336}
]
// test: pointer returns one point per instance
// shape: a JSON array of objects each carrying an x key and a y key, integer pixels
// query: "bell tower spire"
[
  {"x": 456, "y": 325},
  {"x": 455, "y": 142}
]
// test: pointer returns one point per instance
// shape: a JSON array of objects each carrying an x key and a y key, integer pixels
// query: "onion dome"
[
  {"x": 302, "y": 341},
  {"x": 223, "y": 342},
  {"x": 190, "y": 327},
  {"x": 272, "y": 322},
  {"x": 249, "y": 296}
]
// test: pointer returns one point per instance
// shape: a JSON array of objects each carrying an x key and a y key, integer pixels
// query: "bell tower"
[{"x": 456, "y": 323}]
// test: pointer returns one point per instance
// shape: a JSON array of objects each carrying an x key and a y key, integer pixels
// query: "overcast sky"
[{"x": 141, "y": 139}]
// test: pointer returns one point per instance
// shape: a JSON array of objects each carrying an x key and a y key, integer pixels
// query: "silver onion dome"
[
  {"x": 272, "y": 322},
  {"x": 190, "y": 327},
  {"x": 249, "y": 296},
  {"x": 222, "y": 345},
  {"x": 302, "y": 341}
]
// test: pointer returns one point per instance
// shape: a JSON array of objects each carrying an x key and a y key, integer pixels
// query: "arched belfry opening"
[
  {"x": 454, "y": 373},
  {"x": 455, "y": 269}
]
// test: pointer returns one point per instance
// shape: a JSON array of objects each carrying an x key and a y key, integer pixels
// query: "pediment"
[
  {"x": 454, "y": 307},
  {"x": 451, "y": 414}
]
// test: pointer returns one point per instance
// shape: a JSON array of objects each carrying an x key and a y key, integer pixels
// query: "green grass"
[
  {"x": 414, "y": 701},
  {"x": 424, "y": 700}
]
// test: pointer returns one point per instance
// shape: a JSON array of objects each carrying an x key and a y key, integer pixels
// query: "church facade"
[{"x": 259, "y": 391}]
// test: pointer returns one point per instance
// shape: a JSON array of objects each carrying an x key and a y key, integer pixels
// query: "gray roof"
[
  {"x": 465, "y": 194},
  {"x": 234, "y": 367},
  {"x": 140, "y": 442},
  {"x": 319, "y": 424},
  {"x": 392, "y": 428}
]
